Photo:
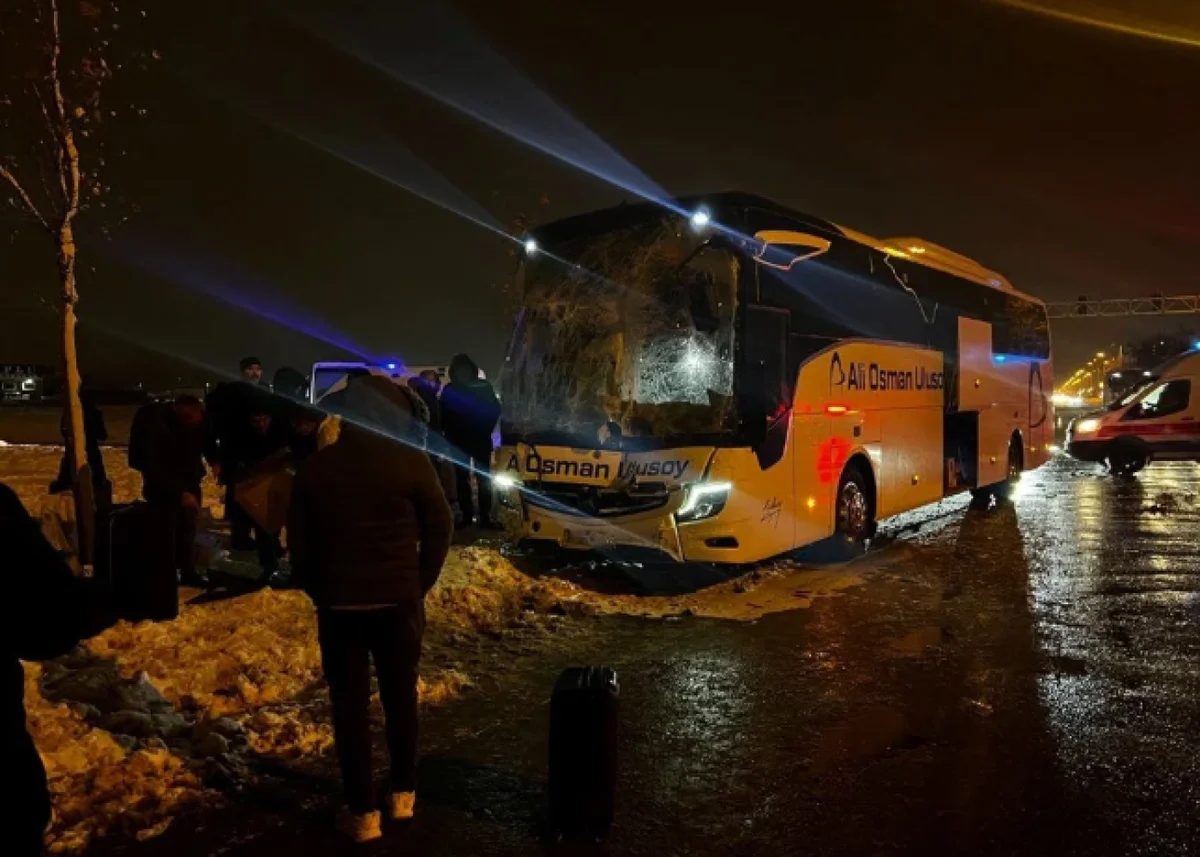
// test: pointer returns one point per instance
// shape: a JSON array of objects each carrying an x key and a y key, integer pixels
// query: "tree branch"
[
  {"x": 66, "y": 135},
  {"x": 23, "y": 196},
  {"x": 59, "y": 167}
]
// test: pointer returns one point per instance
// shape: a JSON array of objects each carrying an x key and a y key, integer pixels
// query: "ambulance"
[{"x": 1159, "y": 421}]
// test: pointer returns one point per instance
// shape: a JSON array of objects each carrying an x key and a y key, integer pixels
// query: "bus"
[{"x": 723, "y": 380}]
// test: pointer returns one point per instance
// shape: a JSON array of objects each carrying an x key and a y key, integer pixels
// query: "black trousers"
[
  {"x": 349, "y": 639},
  {"x": 170, "y": 551},
  {"x": 481, "y": 459},
  {"x": 242, "y": 525}
]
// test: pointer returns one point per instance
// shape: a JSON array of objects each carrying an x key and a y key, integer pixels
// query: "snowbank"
[{"x": 147, "y": 720}]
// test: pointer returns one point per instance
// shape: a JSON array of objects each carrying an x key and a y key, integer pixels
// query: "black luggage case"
[
  {"x": 583, "y": 752},
  {"x": 135, "y": 558}
]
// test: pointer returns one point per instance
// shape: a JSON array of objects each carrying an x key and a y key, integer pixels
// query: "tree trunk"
[{"x": 85, "y": 501}]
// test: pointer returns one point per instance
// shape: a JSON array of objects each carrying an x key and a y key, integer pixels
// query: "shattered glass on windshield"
[{"x": 633, "y": 326}]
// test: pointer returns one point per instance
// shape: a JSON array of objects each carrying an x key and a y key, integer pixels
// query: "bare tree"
[{"x": 52, "y": 156}]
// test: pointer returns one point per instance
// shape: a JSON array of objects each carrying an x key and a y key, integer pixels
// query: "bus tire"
[
  {"x": 1016, "y": 464},
  {"x": 1001, "y": 492},
  {"x": 855, "y": 510}
]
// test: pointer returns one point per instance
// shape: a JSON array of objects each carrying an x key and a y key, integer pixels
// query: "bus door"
[{"x": 1041, "y": 428}]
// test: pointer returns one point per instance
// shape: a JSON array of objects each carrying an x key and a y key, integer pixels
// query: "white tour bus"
[{"x": 724, "y": 380}]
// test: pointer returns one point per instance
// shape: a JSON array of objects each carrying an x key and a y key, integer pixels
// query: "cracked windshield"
[{"x": 633, "y": 327}]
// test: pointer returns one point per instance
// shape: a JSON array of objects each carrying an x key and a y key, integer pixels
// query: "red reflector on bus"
[{"x": 836, "y": 410}]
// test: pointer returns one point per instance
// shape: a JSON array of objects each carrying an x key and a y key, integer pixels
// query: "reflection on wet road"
[
  {"x": 1115, "y": 576},
  {"x": 1021, "y": 681}
]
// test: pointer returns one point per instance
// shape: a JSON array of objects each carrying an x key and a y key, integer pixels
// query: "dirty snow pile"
[{"x": 147, "y": 720}]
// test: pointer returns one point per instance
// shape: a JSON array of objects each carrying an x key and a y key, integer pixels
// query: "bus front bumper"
[{"x": 648, "y": 536}]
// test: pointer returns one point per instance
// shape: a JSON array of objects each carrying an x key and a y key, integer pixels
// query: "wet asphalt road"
[{"x": 1019, "y": 681}]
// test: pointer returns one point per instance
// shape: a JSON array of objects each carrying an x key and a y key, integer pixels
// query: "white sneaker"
[
  {"x": 361, "y": 828},
  {"x": 400, "y": 805}
]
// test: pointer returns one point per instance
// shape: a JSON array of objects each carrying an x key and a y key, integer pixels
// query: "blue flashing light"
[
  {"x": 1000, "y": 358},
  {"x": 390, "y": 366},
  {"x": 1196, "y": 345}
]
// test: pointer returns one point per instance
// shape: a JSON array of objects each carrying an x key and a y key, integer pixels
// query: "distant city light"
[
  {"x": 531, "y": 246},
  {"x": 701, "y": 218}
]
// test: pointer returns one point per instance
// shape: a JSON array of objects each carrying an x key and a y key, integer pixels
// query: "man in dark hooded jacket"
[
  {"x": 43, "y": 614},
  {"x": 369, "y": 530},
  {"x": 470, "y": 411}
]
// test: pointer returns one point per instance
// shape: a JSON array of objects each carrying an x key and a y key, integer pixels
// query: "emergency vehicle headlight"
[
  {"x": 1087, "y": 426},
  {"x": 703, "y": 500}
]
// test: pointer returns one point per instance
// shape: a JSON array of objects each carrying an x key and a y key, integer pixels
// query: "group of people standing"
[
  {"x": 238, "y": 427},
  {"x": 463, "y": 416},
  {"x": 368, "y": 529}
]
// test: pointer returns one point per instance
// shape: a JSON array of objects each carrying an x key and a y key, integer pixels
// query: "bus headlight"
[
  {"x": 1088, "y": 426},
  {"x": 506, "y": 487},
  {"x": 703, "y": 500}
]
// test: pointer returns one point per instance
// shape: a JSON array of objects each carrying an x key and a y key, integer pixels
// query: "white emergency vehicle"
[{"x": 1160, "y": 420}]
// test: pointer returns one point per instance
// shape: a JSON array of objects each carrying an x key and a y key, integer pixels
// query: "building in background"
[{"x": 27, "y": 382}]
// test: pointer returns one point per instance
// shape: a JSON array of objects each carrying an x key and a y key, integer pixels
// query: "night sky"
[{"x": 286, "y": 162}]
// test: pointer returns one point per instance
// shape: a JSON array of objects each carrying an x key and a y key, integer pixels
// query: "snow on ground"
[{"x": 149, "y": 720}]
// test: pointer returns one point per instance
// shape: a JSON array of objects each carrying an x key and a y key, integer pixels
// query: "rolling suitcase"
[
  {"x": 583, "y": 752},
  {"x": 138, "y": 561}
]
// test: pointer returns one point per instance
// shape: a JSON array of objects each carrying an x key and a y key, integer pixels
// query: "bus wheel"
[
  {"x": 855, "y": 517},
  {"x": 1004, "y": 491},
  {"x": 981, "y": 498}
]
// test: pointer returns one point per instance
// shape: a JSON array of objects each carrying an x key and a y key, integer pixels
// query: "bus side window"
[{"x": 767, "y": 390}]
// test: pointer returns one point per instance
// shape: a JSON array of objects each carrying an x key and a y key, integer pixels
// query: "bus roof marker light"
[{"x": 701, "y": 218}]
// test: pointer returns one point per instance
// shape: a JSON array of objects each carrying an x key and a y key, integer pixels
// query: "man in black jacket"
[
  {"x": 166, "y": 445},
  {"x": 470, "y": 411},
  {"x": 43, "y": 614},
  {"x": 95, "y": 433},
  {"x": 228, "y": 411},
  {"x": 369, "y": 530}
]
